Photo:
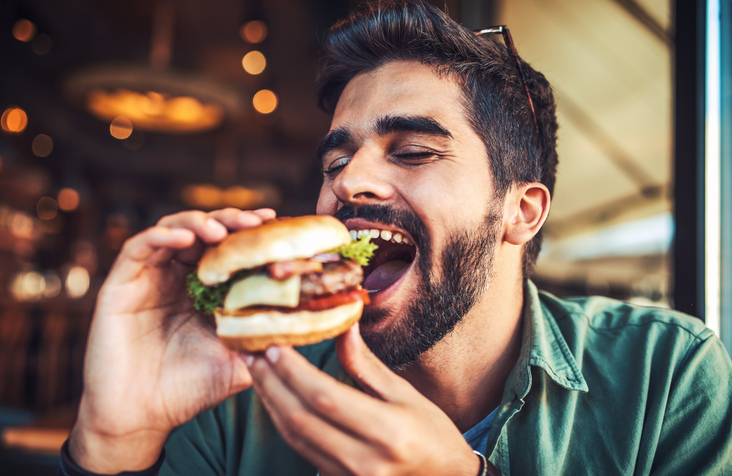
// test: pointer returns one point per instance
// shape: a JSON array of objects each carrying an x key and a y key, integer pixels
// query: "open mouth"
[{"x": 391, "y": 260}]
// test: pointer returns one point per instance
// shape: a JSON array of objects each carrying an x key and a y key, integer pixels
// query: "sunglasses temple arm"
[{"x": 512, "y": 49}]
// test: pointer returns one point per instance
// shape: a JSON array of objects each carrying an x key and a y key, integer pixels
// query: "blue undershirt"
[{"x": 477, "y": 437}]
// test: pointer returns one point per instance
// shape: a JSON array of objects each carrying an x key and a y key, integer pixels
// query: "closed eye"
[
  {"x": 414, "y": 155},
  {"x": 414, "y": 158},
  {"x": 335, "y": 167}
]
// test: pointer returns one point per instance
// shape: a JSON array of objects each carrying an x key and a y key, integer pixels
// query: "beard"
[{"x": 444, "y": 294}]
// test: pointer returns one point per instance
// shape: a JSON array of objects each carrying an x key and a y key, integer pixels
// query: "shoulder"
[
  {"x": 603, "y": 315},
  {"x": 634, "y": 345}
]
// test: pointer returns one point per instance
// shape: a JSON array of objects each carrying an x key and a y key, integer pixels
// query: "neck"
[{"x": 465, "y": 373}]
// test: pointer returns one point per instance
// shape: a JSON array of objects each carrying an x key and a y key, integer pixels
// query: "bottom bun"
[{"x": 256, "y": 332}]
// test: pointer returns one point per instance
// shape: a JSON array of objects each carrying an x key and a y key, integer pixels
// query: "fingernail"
[{"x": 273, "y": 354}]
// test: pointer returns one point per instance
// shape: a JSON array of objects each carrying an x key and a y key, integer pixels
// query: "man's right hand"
[{"x": 152, "y": 362}]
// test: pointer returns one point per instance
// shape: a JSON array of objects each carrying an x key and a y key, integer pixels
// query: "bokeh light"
[
  {"x": 68, "y": 199},
  {"x": 120, "y": 128},
  {"x": 24, "y": 30},
  {"x": 153, "y": 111},
  {"x": 28, "y": 286},
  {"x": 47, "y": 208},
  {"x": 254, "y": 62},
  {"x": 77, "y": 282},
  {"x": 254, "y": 31},
  {"x": 14, "y": 119},
  {"x": 208, "y": 196},
  {"x": 184, "y": 108},
  {"x": 153, "y": 103},
  {"x": 265, "y": 101},
  {"x": 21, "y": 225},
  {"x": 205, "y": 196},
  {"x": 52, "y": 286},
  {"x": 42, "y": 145}
]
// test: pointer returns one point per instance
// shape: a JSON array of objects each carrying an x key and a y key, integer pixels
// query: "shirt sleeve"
[
  {"x": 696, "y": 436},
  {"x": 67, "y": 466}
]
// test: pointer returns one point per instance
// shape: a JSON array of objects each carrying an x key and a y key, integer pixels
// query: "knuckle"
[
  {"x": 169, "y": 218},
  {"x": 198, "y": 215},
  {"x": 129, "y": 244},
  {"x": 400, "y": 445},
  {"x": 225, "y": 211},
  {"x": 285, "y": 371},
  {"x": 323, "y": 402},
  {"x": 377, "y": 468},
  {"x": 295, "y": 422}
]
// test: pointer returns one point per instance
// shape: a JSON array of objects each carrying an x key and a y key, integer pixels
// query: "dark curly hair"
[{"x": 493, "y": 95}]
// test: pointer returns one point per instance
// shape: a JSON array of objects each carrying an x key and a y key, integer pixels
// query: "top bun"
[{"x": 281, "y": 239}]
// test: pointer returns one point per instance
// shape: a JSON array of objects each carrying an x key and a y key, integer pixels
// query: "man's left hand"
[{"x": 388, "y": 429}]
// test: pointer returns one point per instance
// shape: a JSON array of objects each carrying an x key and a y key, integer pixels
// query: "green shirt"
[{"x": 600, "y": 387}]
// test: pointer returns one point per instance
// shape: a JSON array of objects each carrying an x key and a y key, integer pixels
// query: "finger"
[
  {"x": 266, "y": 213},
  {"x": 370, "y": 373},
  {"x": 230, "y": 218},
  {"x": 321, "y": 443},
  {"x": 235, "y": 219},
  {"x": 191, "y": 255},
  {"x": 136, "y": 251},
  {"x": 241, "y": 379},
  {"x": 161, "y": 257},
  {"x": 206, "y": 228},
  {"x": 337, "y": 403}
]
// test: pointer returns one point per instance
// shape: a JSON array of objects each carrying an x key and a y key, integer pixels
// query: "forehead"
[{"x": 399, "y": 88}]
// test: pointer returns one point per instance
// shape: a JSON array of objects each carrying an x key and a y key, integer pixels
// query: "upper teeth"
[{"x": 385, "y": 235}]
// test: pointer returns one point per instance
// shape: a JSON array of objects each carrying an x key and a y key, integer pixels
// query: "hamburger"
[{"x": 290, "y": 281}]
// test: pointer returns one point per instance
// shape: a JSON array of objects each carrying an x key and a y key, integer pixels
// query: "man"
[{"x": 433, "y": 136}]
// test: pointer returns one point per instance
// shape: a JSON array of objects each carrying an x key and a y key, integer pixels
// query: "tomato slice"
[{"x": 336, "y": 300}]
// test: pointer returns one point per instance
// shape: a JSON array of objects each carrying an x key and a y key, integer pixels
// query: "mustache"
[{"x": 389, "y": 215}]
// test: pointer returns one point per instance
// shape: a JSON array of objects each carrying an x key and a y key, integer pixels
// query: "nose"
[{"x": 365, "y": 179}]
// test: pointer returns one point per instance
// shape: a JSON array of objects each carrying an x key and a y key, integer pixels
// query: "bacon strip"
[{"x": 288, "y": 269}]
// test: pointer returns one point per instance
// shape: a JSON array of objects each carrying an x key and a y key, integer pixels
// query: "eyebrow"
[
  {"x": 421, "y": 124},
  {"x": 334, "y": 139},
  {"x": 385, "y": 125}
]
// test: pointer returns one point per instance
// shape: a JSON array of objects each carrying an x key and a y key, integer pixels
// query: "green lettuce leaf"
[
  {"x": 206, "y": 298},
  {"x": 360, "y": 250}
]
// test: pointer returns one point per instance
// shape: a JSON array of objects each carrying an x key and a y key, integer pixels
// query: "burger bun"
[
  {"x": 282, "y": 239},
  {"x": 255, "y": 331}
]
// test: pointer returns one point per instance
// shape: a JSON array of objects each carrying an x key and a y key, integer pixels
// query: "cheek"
[
  {"x": 451, "y": 199},
  {"x": 327, "y": 201}
]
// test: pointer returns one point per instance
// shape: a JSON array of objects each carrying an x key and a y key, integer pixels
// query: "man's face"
[{"x": 401, "y": 158}]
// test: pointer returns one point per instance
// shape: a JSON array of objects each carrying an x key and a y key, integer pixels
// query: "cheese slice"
[{"x": 260, "y": 289}]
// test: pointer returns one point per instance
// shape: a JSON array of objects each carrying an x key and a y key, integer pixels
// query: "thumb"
[
  {"x": 240, "y": 379},
  {"x": 375, "y": 378}
]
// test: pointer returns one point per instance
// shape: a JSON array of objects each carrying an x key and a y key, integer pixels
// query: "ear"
[{"x": 527, "y": 207}]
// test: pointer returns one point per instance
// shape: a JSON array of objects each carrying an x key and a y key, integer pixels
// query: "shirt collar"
[{"x": 543, "y": 346}]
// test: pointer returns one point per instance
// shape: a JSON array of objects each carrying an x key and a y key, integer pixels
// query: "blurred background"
[{"x": 117, "y": 113}]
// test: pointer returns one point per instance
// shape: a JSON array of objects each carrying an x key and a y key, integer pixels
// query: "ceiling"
[{"x": 609, "y": 62}]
